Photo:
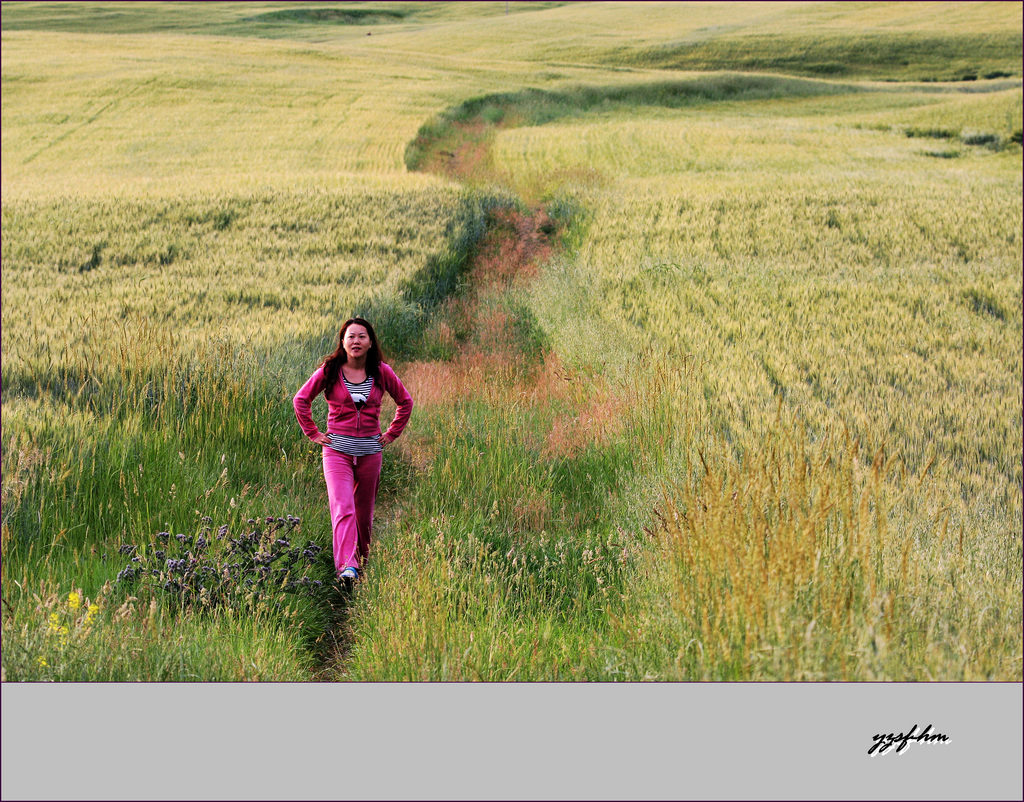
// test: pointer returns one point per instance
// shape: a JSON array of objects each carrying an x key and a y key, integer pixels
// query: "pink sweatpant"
[{"x": 351, "y": 492}]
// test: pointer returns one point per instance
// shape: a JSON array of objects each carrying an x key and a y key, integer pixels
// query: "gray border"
[{"x": 507, "y": 741}]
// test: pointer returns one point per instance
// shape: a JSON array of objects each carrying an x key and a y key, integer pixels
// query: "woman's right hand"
[{"x": 322, "y": 439}]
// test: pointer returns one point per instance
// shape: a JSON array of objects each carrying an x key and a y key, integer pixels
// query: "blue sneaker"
[{"x": 350, "y": 573}]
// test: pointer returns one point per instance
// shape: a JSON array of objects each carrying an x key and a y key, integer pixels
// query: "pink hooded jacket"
[{"x": 342, "y": 415}]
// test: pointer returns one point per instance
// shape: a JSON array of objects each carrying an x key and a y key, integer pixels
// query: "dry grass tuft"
[{"x": 602, "y": 417}]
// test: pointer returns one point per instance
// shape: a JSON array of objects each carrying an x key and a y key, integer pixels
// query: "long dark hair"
[{"x": 333, "y": 363}]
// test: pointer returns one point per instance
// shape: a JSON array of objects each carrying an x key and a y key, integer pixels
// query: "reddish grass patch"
[
  {"x": 473, "y": 374},
  {"x": 489, "y": 365},
  {"x": 532, "y": 511},
  {"x": 515, "y": 247},
  {"x": 419, "y": 452},
  {"x": 464, "y": 155},
  {"x": 600, "y": 419}
]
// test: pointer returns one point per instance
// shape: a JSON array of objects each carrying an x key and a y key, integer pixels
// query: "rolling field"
[
  {"x": 839, "y": 321},
  {"x": 743, "y": 401}
]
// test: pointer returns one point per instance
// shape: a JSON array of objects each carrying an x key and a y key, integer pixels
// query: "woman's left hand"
[{"x": 385, "y": 440}]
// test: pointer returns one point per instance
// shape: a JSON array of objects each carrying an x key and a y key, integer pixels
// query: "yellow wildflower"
[
  {"x": 90, "y": 616},
  {"x": 54, "y": 625},
  {"x": 64, "y": 633},
  {"x": 74, "y": 600},
  {"x": 41, "y": 660}
]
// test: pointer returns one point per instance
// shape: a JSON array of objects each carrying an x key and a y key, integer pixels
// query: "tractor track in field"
[{"x": 489, "y": 361}]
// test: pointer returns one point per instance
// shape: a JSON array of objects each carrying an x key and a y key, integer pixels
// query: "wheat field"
[{"x": 756, "y": 417}]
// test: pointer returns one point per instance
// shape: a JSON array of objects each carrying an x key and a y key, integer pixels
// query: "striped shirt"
[{"x": 348, "y": 444}]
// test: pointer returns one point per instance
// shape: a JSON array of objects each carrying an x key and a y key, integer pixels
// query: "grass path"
[
  {"x": 497, "y": 383},
  {"x": 490, "y": 362}
]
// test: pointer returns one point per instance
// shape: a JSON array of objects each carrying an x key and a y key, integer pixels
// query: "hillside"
[{"x": 712, "y": 311}]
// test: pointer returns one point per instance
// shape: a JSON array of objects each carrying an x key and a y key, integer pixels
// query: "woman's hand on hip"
[{"x": 322, "y": 439}]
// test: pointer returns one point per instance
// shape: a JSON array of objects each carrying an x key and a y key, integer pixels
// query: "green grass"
[
  {"x": 512, "y": 550},
  {"x": 170, "y": 400},
  {"x": 130, "y": 640},
  {"x": 535, "y": 107},
  {"x": 876, "y": 56}
]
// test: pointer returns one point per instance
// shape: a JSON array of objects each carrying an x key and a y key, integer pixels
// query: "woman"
[{"x": 353, "y": 380}]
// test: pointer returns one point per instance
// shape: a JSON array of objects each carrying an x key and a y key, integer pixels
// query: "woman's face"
[{"x": 356, "y": 341}]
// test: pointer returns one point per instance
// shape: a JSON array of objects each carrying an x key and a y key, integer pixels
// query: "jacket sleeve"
[
  {"x": 303, "y": 402},
  {"x": 402, "y": 398}
]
